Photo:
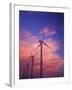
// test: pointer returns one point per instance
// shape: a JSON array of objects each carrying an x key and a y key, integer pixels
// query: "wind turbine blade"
[
  {"x": 46, "y": 40},
  {"x": 36, "y": 53},
  {"x": 46, "y": 44},
  {"x": 37, "y": 47},
  {"x": 43, "y": 35}
]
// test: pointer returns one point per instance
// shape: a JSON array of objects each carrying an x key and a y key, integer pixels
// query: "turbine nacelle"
[{"x": 41, "y": 41}]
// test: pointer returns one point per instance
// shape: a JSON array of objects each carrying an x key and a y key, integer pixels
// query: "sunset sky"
[{"x": 32, "y": 26}]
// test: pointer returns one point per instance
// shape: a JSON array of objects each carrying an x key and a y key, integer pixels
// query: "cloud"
[
  {"x": 48, "y": 31},
  {"x": 54, "y": 68},
  {"x": 29, "y": 42},
  {"x": 53, "y": 63},
  {"x": 26, "y": 44}
]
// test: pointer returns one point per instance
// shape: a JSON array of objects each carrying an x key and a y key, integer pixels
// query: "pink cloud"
[
  {"x": 52, "y": 62},
  {"x": 26, "y": 43},
  {"x": 29, "y": 42},
  {"x": 48, "y": 31}
]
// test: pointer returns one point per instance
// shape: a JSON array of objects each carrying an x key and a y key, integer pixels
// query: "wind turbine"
[
  {"x": 32, "y": 65},
  {"x": 27, "y": 70},
  {"x": 41, "y": 54},
  {"x": 32, "y": 58}
]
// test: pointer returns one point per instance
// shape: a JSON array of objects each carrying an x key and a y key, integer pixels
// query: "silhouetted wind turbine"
[
  {"x": 27, "y": 70},
  {"x": 32, "y": 58},
  {"x": 32, "y": 65},
  {"x": 41, "y": 52}
]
